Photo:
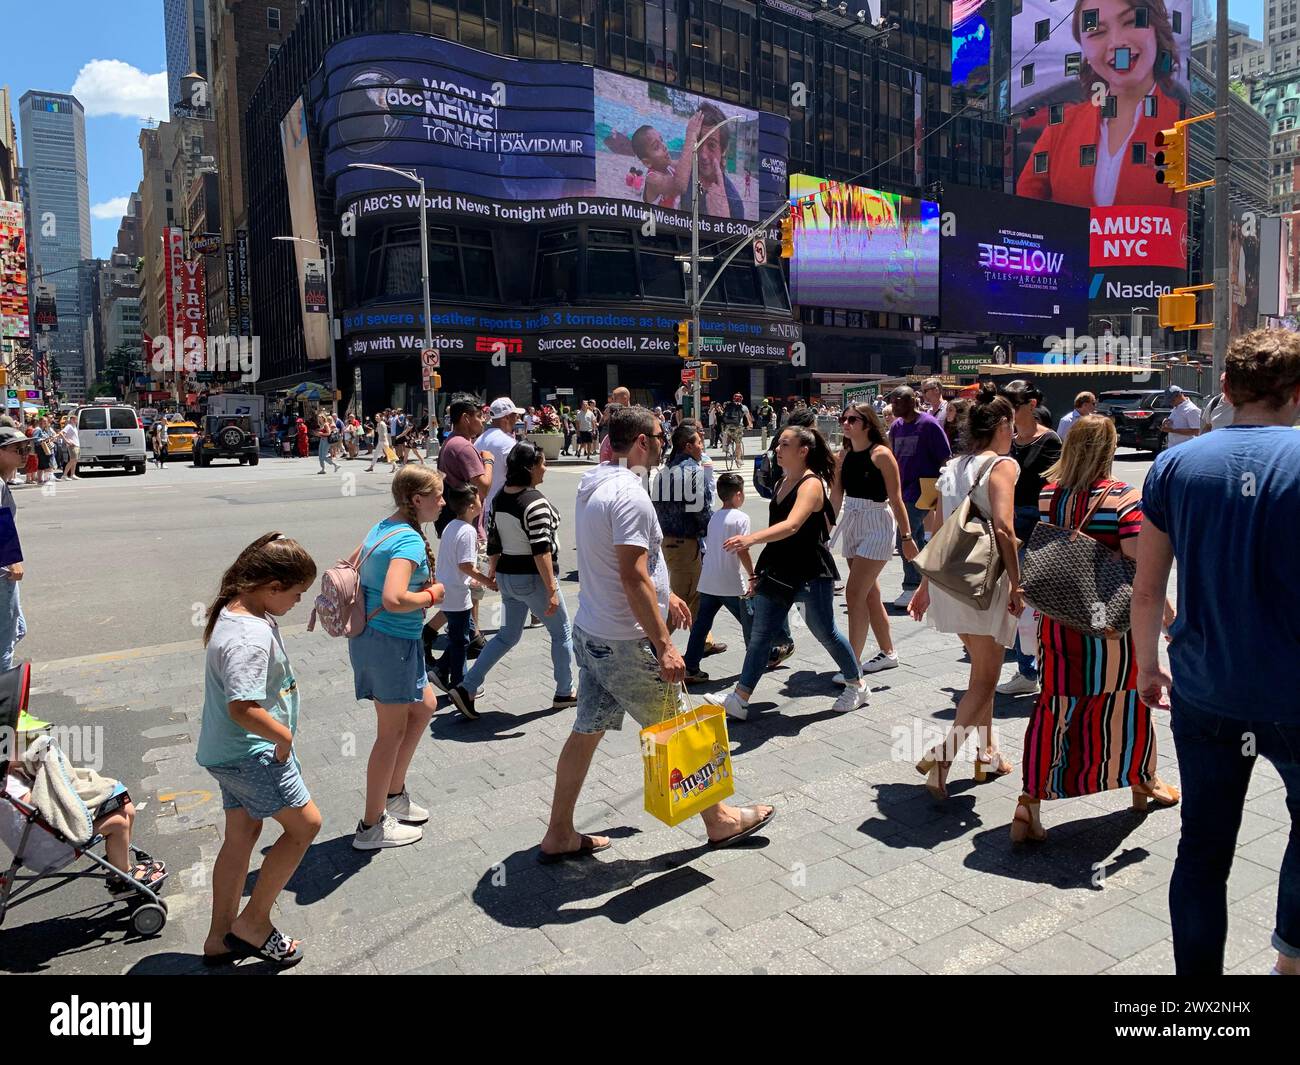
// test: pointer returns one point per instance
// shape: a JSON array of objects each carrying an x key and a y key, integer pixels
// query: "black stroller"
[{"x": 147, "y": 911}]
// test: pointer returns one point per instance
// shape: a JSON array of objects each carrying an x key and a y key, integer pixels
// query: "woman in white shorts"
[{"x": 869, "y": 496}]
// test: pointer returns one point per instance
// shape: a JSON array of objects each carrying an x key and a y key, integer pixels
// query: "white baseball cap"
[{"x": 503, "y": 406}]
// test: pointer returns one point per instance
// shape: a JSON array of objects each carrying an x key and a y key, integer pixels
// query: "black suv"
[
  {"x": 1139, "y": 413},
  {"x": 226, "y": 436}
]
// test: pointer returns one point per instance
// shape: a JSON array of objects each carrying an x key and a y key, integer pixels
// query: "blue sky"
[
  {"x": 113, "y": 51},
  {"x": 112, "y": 46}
]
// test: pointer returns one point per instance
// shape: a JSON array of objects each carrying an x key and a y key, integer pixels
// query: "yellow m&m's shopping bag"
[{"x": 687, "y": 761}]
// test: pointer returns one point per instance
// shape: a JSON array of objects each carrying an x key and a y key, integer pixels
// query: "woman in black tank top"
[
  {"x": 796, "y": 565},
  {"x": 868, "y": 493}
]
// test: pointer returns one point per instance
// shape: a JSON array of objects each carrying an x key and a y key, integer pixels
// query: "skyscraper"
[
  {"x": 1282, "y": 34},
  {"x": 186, "y": 24},
  {"x": 58, "y": 218}
]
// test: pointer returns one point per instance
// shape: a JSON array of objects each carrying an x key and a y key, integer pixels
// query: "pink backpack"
[{"x": 341, "y": 605}]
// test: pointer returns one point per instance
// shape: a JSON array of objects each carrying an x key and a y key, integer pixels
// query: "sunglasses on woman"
[{"x": 849, "y": 419}]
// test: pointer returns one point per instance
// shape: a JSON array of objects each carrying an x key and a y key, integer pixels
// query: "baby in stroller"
[{"x": 52, "y": 814}]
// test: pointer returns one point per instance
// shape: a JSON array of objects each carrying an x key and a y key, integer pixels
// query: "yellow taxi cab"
[{"x": 180, "y": 439}]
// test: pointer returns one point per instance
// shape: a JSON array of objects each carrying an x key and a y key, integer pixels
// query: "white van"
[{"x": 111, "y": 435}]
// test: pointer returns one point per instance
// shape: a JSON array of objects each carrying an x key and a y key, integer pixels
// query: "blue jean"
[
  {"x": 13, "y": 626},
  {"x": 323, "y": 453},
  {"x": 818, "y": 598},
  {"x": 521, "y": 593},
  {"x": 1025, "y": 520},
  {"x": 916, "y": 520},
  {"x": 1215, "y": 775},
  {"x": 709, "y": 607},
  {"x": 451, "y": 663}
]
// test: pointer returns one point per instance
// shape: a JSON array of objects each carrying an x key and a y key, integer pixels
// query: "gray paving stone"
[
  {"x": 764, "y": 943},
  {"x": 930, "y": 916},
  {"x": 1121, "y": 931},
  {"x": 836, "y": 912},
  {"x": 512, "y": 954},
  {"x": 857, "y": 949},
  {"x": 1061, "y": 954},
  {"x": 1024, "y": 923},
  {"x": 963, "y": 950},
  {"x": 748, "y": 905}
]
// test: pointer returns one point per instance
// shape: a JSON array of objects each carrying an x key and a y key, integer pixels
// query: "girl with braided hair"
[
  {"x": 250, "y": 716},
  {"x": 397, "y": 579}
]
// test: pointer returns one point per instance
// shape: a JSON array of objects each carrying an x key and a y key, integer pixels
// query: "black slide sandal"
[{"x": 275, "y": 949}]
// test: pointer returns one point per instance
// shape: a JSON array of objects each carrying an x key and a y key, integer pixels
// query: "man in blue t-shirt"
[{"x": 1227, "y": 506}]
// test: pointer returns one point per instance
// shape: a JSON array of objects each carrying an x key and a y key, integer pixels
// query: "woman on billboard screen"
[{"x": 1129, "y": 55}]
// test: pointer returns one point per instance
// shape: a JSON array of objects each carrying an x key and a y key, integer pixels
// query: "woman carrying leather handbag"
[
  {"x": 1090, "y": 731},
  {"x": 971, "y": 579}
]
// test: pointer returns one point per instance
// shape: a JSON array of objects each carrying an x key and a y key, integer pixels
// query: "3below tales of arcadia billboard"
[{"x": 520, "y": 140}]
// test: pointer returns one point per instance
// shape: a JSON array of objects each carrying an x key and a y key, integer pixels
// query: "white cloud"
[
  {"x": 112, "y": 87},
  {"x": 112, "y": 209}
]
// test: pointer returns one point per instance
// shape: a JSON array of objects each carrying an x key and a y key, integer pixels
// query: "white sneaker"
[
  {"x": 401, "y": 808},
  {"x": 904, "y": 598},
  {"x": 851, "y": 698},
  {"x": 389, "y": 832},
  {"x": 735, "y": 706},
  {"x": 879, "y": 662},
  {"x": 1019, "y": 684}
]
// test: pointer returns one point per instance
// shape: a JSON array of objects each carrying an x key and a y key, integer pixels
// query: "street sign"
[
  {"x": 688, "y": 377},
  {"x": 564, "y": 391},
  {"x": 430, "y": 359},
  {"x": 692, "y": 364},
  {"x": 760, "y": 251},
  {"x": 859, "y": 394}
]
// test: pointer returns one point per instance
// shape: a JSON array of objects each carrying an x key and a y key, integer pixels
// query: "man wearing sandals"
[{"x": 627, "y": 663}]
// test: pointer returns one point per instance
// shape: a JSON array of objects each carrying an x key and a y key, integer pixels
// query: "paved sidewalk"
[{"x": 861, "y": 871}]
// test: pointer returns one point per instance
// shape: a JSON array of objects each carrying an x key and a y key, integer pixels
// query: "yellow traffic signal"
[
  {"x": 1176, "y": 310},
  {"x": 684, "y": 340},
  {"x": 787, "y": 237},
  {"x": 708, "y": 371},
  {"x": 436, "y": 378},
  {"x": 1171, "y": 160},
  {"x": 4, "y": 377}
]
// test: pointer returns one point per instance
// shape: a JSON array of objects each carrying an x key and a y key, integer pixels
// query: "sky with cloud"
[{"x": 112, "y": 56}]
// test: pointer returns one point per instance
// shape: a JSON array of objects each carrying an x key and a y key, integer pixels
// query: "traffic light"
[
  {"x": 1171, "y": 160},
  {"x": 1176, "y": 310},
  {"x": 787, "y": 237},
  {"x": 4, "y": 377},
  {"x": 708, "y": 371},
  {"x": 436, "y": 378},
  {"x": 684, "y": 340}
]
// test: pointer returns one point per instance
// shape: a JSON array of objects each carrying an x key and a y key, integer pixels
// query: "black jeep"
[{"x": 226, "y": 436}]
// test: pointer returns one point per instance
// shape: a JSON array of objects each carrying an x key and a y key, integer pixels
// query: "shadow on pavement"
[
  {"x": 490, "y": 725},
  {"x": 325, "y": 867},
  {"x": 759, "y": 727},
  {"x": 31, "y": 947},
  {"x": 1083, "y": 859}
]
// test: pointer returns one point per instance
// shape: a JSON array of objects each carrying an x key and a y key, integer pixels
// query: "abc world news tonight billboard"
[
  {"x": 519, "y": 140},
  {"x": 1102, "y": 78}
]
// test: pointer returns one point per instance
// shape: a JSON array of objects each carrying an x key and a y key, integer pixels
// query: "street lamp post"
[
  {"x": 328, "y": 251},
  {"x": 431, "y": 395}
]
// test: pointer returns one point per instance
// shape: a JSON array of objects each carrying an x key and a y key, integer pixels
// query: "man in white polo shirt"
[
  {"x": 1184, "y": 421},
  {"x": 498, "y": 439}
]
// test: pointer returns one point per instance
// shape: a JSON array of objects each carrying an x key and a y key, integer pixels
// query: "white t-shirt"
[
  {"x": 613, "y": 510},
  {"x": 459, "y": 544},
  {"x": 498, "y": 444},
  {"x": 71, "y": 435},
  {"x": 1187, "y": 415},
  {"x": 721, "y": 573}
]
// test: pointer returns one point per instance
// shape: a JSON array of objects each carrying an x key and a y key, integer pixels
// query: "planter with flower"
[{"x": 548, "y": 435}]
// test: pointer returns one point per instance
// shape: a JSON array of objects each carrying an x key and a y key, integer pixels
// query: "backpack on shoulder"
[{"x": 341, "y": 605}]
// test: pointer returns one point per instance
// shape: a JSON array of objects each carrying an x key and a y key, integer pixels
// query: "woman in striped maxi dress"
[{"x": 1089, "y": 731}]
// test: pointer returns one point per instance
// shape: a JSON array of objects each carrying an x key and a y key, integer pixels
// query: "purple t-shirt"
[
  {"x": 921, "y": 448},
  {"x": 459, "y": 462}
]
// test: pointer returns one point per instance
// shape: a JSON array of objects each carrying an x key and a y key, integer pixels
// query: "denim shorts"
[
  {"x": 261, "y": 786},
  {"x": 388, "y": 669},
  {"x": 617, "y": 677}
]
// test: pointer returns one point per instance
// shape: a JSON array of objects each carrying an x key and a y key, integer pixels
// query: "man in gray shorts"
[{"x": 627, "y": 663}]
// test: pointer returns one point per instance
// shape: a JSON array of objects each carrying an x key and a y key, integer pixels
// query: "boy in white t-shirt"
[
  {"x": 457, "y": 573},
  {"x": 722, "y": 584}
]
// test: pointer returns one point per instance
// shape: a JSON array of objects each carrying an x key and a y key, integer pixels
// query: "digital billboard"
[
  {"x": 14, "y": 312},
  {"x": 302, "y": 216},
  {"x": 863, "y": 249},
  {"x": 520, "y": 140},
  {"x": 1012, "y": 265},
  {"x": 973, "y": 26}
]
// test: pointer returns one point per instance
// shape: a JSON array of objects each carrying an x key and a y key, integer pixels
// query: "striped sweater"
[{"x": 522, "y": 524}]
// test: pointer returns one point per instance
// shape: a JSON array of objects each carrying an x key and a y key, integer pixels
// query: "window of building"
[
  {"x": 1087, "y": 155},
  {"x": 1056, "y": 114},
  {"x": 1040, "y": 162},
  {"x": 611, "y": 264},
  {"x": 1073, "y": 63},
  {"x": 1089, "y": 20},
  {"x": 1141, "y": 18},
  {"x": 1027, "y": 74},
  {"x": 1042, "y": 30},
  {"x": 557, "y": 266},
  {"x": 271, "y": 49},
  {"x": 1177, "y": 22},
  {"x": 1150, "y": 106},
  {"x": 1110, "y": 107},
  {"x": 1164, "y": 62},
  {"x": 272, "y": 18},
  {"x": 1123, "y": 58},
  {"x": 1139, "y": 153}
]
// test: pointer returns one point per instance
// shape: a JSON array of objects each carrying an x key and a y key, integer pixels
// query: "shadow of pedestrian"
[
  {"x": 758, "y": 728},
  {"x": 326, "y": 866},
  {"x": 909, "y": 817},
  {"x": 486, "y": 728},
  {"x": 172, "y": 963},
  {"x": 588, "y": 878}
]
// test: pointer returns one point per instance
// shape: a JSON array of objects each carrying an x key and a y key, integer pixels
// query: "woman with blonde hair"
[
  {"x": 396, "y": 565},
  {"x": 1089, "y": 731}
]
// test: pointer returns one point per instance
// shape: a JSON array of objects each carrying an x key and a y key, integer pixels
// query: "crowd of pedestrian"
[{"x": 996, "y": 497}]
